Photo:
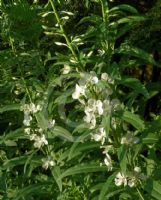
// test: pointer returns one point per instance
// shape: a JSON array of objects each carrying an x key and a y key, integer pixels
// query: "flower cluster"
[
  {"x": 35, "y": 134},
  {"x": 131, "y": 179},
  {"x": 47, "y": 162},
  {"x": 29, "y": 110},
  {"x": 94, "y": 94},
  {"x": 99, "y": 136},
  {"x": 39, "y": 141},
  {"x": 129, "y": 139},
  {"x": 86, "y": 92}
]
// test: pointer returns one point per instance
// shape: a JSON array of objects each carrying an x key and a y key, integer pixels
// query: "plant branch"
[{"x": 63, "y": 31}]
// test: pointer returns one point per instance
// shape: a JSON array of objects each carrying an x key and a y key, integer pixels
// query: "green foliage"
[{"x": 80, "y": 101}]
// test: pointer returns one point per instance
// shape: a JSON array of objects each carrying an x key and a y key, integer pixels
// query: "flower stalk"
[{"x": 63, "y": 32}]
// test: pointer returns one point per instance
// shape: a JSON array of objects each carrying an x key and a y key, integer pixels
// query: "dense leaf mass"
[{"x": 80, "y": 99}]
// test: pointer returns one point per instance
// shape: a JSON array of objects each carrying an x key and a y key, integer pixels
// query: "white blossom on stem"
[
  {"x": 108, "y": 162},
  {"x": 100, "y": 136},
  {"x": 66, "y": 69},
  {"x": 79, "y": 91},
  {"x": 120, "y": 179},
  {"x": 47, "y": 162},
  {"x": 39, "y": 141}
]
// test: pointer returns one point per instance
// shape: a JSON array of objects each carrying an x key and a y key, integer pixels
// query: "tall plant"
[{"x": 80, "y": 132}]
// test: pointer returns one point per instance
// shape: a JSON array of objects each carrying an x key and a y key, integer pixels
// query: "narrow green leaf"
[
  {"x": 136, "y": 85},
  {"x": 122, "y": 156},
  {"x": 131, "y": 19},
  {"x": 10, "y": 108},
  {"x": 111, "y": 194},
  {"x": 10, "y": 143},
  {"x": 106, "y": 187},
  {"x": 38, "y": 189},
  {"x": 78, "y": 147},
  {"x": 124, "y": 7},
  {"x": 150, "y": 138},
  {"x": 96, "y": 187},
  {"x": 42, "y": 121},
  {"x": 134, "y": 120},
  {"x": 153, "y": 188},
  {"x": 136, "y": 52},
  {"x": 84, "y": 168},
  {"x": 56, "y": 174},
  {"x": 14, "y": 162},
  {"x": 15, "y": 135},
  {"x": 63, "y": 133},
  {"x": 106, "y": 124}
]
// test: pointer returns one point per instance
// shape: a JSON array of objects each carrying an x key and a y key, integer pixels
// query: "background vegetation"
[{"x": 80, "y": 100}]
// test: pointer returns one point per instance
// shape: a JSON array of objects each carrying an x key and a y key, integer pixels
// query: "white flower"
[
  {"x": 132, "y": 182},
  {"x": 116, "y": 105},
  {"x": 33, "y": 137},
  {"x": 27, "y": 131},
  {"x": 39, "y": 141},
  {"x": 104, "y": 76},
  {"x": 51, "y": 124},
  {"x": 101, "y": 52},
  {"x": 99, "y": 106},
  {"x": 94, "y": 80},
  {"x": 91, "y": 106},
  {"x": 27, "y": 119},
  {"x": 107, "y": 106},
  {"x": 85, "y": 77},
  {"x": 90, "y": 119},
  {"x": 129, "y": 139},
  {"x": 120, "y": 179},
  {"x": 79, "y": 90},
  {"x": 66, "y": 69},
  {"x": 94, "y": 107},
  {"x": 100, "y": 136},
  {"x": 30, "y": 108},
  {"x": 47, "y": 162},
  {"x": 34, "y": 108},
  {"x": 108, "y": 162},
  {"x": 137, "y": 169}
]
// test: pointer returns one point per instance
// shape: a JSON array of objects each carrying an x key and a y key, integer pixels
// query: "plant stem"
[
  {"x": 63, "y": 32},
  {"x": 103, "y": 11},
  {"x": 141, "y": 197}
]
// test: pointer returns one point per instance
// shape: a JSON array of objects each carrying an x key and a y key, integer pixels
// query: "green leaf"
[
  {"x": 153, "y": 188},
  {"x": 106, "y": 187},
  {"x": 56, "y": 174},
  {"x": 113, "y": 193},
  {"x": 122, "y": 156},
  {"x": 124, "y": 7},
  {"x": 15, "y": 135},
  {"x": 136, "y": 85},
  {"x": 10, "y": 108},
  {"x": 136, "y": 52},
  {"x": 131, "y": 19},
  {"x": 10, "y": 143},
  {"x": 106, "y": 124},
  {"x": 42, "y": 120},
  {"x": 38, "y": 189},
  {"x": 150, "y": 138},
  {"x": 63, "y": 133},
  {"x": 77, "y": 148},
  {"x": 83, "y": 168},
  {"x": 96, "y": 187},
  {"x": 134, "y": 120},
  {"x": 95, "y": 19},
  {"x": 14, "y": 162}
]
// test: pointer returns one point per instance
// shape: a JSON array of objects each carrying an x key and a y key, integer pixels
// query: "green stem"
[
  {"x": 104, "y": 9},
  {"x": 141, "y": 197},
  {"x": 105, "y": 18},
  {"x": 63, "y": 31}
]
